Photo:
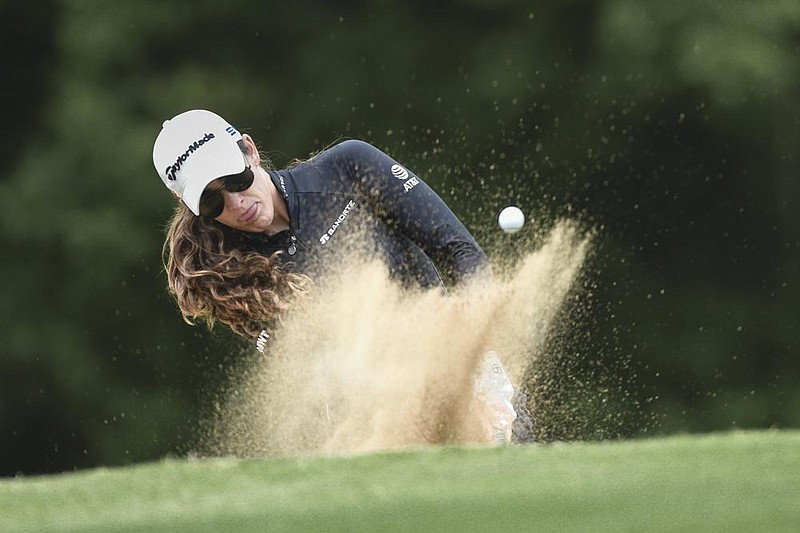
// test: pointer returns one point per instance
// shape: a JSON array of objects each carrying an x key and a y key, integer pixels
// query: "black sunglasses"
[{"x": 212, "y": 203}]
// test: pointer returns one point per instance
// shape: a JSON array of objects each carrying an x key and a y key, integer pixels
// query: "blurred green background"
[{"x": 670, "y": 128}]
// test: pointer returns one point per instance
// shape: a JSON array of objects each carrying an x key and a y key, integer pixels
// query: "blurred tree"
[{"x": 27, "y": 56}]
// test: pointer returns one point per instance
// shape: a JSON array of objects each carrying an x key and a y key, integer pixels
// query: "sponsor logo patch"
[
  {"x": 399, "y": 172},
  {"x": 261, "y": 341},
  {"x": 325, "y": 237},
  {"x": 173, "y": 169},
  {"x": 410, "y": 184},
  {"x": 402, "y": 174}
]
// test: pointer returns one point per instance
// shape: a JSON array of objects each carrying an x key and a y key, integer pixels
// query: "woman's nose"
[{"x": 232, "y": 198}]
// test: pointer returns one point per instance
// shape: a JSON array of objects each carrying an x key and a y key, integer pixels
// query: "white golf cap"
[{"x": 192, "y": 150}]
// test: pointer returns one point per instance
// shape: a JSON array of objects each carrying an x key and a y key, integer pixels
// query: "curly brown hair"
[{"x": 215, "y": 280}]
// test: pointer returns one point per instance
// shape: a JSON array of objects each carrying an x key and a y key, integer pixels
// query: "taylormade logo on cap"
[
  {"x": 193, "y": 149},
  {"x": 172, "y": 169}
]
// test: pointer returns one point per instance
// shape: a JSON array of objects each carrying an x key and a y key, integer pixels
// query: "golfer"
[{"x": 246, "y": 240}]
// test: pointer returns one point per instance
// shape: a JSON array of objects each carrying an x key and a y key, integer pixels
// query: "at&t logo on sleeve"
[{"x": 402, "y": 174}]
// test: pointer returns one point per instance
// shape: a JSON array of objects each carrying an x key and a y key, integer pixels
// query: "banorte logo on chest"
[{"x": 325, "y": 237}]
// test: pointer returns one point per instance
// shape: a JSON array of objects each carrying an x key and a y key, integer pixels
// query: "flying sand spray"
[{"x": 365, "y": 365}]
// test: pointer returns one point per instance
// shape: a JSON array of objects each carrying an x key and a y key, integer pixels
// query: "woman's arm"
[{"x": 408, "y": 205}]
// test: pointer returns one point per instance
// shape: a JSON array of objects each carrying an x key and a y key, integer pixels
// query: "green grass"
[{"x": 743, "y": 481}]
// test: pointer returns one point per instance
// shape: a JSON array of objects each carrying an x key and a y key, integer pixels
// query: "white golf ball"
[{"x": 511, "y": 219}]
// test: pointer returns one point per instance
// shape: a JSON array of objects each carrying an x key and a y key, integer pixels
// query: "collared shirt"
[{"x": 354, "y": 199}]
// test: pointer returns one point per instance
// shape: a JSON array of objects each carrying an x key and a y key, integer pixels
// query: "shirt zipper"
[{"x": 292, "y": 249}]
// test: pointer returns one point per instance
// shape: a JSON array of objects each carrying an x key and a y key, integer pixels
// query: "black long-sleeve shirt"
[{"x": 353, "y": 198}]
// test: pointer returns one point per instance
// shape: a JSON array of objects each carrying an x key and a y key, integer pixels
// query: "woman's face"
[
  {"x": 250, "y": 210},
  {"x": 253, "y": 209}
]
